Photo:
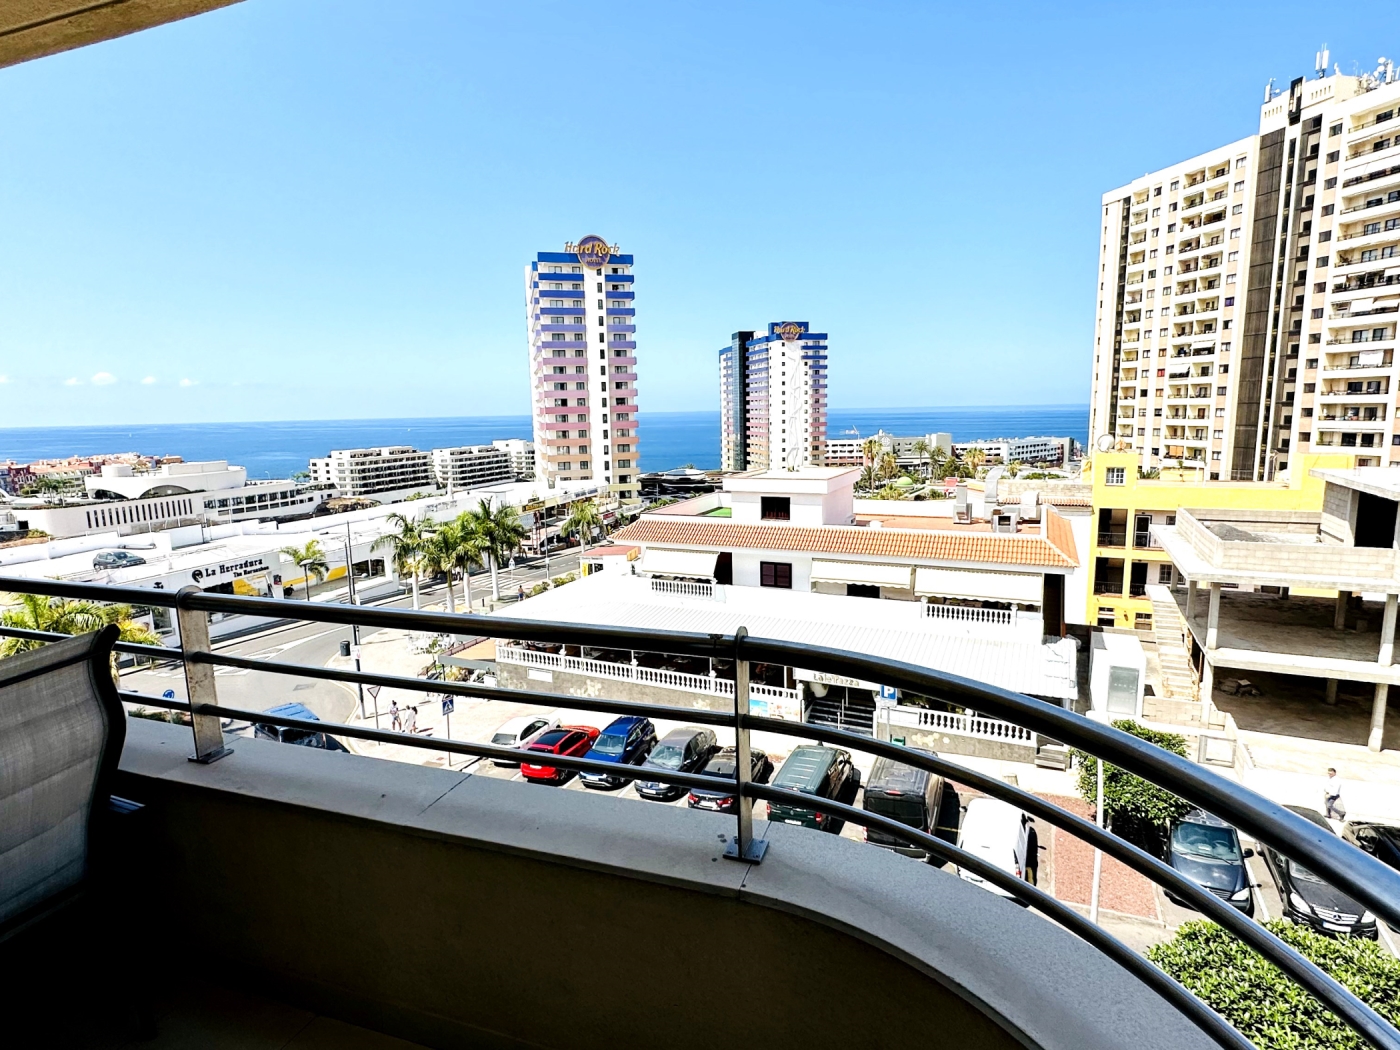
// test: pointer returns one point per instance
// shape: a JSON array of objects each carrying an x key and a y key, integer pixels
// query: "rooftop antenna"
[
  {"x": 1269, "y": 90},
  {"x": 1321, "y": 64}
]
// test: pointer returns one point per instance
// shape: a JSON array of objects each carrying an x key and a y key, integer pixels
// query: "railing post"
[
  {"x": 199, "y": 681},
  {"x": 743, "y": 846}
]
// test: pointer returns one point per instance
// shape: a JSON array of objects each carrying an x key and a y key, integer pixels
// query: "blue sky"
[{"x": 322, "y": 209}]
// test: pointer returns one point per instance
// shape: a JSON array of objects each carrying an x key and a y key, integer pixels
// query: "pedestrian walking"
[
  {"x": 1332, "y": 796},
  {"x": 520, "y": 593},
  {"x": 410, "y": 720},
  {"x": 395, "y": 716}
]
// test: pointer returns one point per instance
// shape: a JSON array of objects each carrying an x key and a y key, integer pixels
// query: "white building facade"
[
  {"x": 1247, "y": 296},
  {"x": 581, "y": 325},
  {"x": 468, "y": 466},
  {"x": 521, "y": 454},
  {"x": 375, "y": 471}
]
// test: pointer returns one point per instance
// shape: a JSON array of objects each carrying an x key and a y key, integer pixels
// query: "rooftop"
[
  {"x": 1012, "y": 659},
  {"x": 1378, "y": 481},
  {"x": 937, "y": 540}
]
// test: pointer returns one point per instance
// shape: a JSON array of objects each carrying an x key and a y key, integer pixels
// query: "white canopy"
[
  {"x": 1023, "y": 588},
  {"x": 694, "y": 564},
  {"x": 858, "y": 572}
]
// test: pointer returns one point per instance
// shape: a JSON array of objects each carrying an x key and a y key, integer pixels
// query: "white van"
[{"x": 1002, "y": 835}]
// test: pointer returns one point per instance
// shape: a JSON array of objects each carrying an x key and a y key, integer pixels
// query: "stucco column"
[
  {"x": 1378, "y": 716},
  {"x": 1207, "y": 680},
  {"x": 1213, "y": 617},
  {"x": 1190, "y": 599},
  {"x": 1339, "y": 620},
  {"x": 1387, "y": 652},
  {"x": 1330, "y": 696}
]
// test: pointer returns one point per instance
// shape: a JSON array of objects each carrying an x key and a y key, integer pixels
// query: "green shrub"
[
  {"x": 1267, "y": 1007},
  {"x": 1134, "y": 808}
]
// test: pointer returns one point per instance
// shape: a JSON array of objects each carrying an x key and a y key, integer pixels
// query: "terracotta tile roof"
[{"x": 921, "y": 544}]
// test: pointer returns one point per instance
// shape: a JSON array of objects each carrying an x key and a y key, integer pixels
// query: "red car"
[{"x": 573, "y": 741}]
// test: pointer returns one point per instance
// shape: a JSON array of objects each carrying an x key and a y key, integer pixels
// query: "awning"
[
  {"x": 858, "y": 572},
  {"x": 1023, "y": 588},
  {"x": 695, "y": 564}
]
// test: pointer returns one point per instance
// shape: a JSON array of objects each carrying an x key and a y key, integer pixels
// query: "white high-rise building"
[
  {"x": 1248, "y": 296},
  {"x": 773, "y": 398},
  {"x": 581, "y": 321},
  {"x": 374, "y": 471},
  {"x": 470, "y": 466},
  {"x": 521, "y": 454}
]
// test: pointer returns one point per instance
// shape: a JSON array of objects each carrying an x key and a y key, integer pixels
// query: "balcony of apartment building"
[
  {"x": 1254, "y": 562},
  {"x": 1366, "y": 202}
]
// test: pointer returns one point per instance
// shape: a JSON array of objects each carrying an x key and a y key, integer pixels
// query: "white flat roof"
[
  {"x": 1379, "y": 481},
  {"x": 875, "y": 627}
]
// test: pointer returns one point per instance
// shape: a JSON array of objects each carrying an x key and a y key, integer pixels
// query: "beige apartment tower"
[{"x": 1247, "y": 298}]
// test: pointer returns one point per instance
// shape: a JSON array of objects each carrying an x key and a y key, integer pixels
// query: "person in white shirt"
[{"x": 1332, "y": 796}]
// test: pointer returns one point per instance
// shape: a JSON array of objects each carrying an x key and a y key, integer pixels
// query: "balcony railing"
[
  {"x": 1113, "y": 537},
  {"x": 1363, "y": 878}
]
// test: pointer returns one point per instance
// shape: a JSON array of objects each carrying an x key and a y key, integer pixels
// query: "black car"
[
  {"x": 1207, "y": 851},
  {"x": 1310, "y": 901},
  {"x": 116, "y": 560},
  {"x": 723, "y": 765},
  {"x": 679, "y": 751},
  {"x": 909, "y": 795},
  {"x": 1382, "y": 841},
  {"x": 825, "y": 772}
]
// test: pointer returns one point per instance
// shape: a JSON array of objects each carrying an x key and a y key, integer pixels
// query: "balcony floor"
[{"x": 219, "y": 1018}]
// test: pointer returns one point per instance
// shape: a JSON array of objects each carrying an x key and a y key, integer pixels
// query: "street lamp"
[
  {"x": 355, "y": 627},
  {"x": 306, "y": 575}
]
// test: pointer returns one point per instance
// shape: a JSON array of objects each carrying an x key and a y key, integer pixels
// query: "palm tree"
[
  {"x": 1014, "y": 467},
  {"x": 921, "y": 450},
  {"x": 886, "y": 466},
  {"x": 866, "y": 482},
  {"x": 406, "y": 544},
  {"x": 937, "y": 463},
  {"x": 871, "y": 448},
  {"x": 585, "y": 519},
  {"x": 974, "y": 458},
  {"x": 65, "y": 616},
  {"x": 501, "y": 534},
  {"x": 312, "y": 560},
  {"x": 450, "y": 546}
]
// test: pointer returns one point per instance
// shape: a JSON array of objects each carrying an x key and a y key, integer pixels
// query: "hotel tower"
[
  {"x": 773, "y": 398},
  {"x": 1247, "y": 297},
  {"x": 581, "y": 319}
]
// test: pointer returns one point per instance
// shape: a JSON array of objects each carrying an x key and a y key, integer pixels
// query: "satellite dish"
[{"x": 1105, "y": 443}]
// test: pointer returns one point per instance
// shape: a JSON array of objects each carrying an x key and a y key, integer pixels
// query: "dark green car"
[{"x": 824, "y": 772}]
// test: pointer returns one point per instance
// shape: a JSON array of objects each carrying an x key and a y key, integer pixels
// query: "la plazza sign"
[{"x": 593, "y": 252}]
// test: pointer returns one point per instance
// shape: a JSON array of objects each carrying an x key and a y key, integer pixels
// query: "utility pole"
[
  {"x": 1098, "y": 853},
  {"x": 354, "y": 627}
]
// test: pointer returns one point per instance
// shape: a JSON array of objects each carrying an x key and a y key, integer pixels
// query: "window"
[
  {"x": 1237, "y": 209},
  {"x": 1317, "y": 312},
  {"x": 775, "y": 508},
  {"x": 775, "y": 574},
  {"x": 1114, "y": 476},
  {"x": 1330, "y": 184},
  {"x": 1334, "y": 130}
]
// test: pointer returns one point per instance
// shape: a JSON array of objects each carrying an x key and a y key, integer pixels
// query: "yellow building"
[{"x": 1123, "y": 557}]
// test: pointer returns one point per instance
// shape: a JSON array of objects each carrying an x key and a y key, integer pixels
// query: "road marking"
[{"x": 1385, "y": 936}]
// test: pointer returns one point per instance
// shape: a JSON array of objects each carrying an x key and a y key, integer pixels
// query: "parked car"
[
  {"x": 521, "y": 731},
  {"x": 1207, "y": 851},
  {"x": 824, "y": 772},
  {"x": 684, "y": 750},
  {"x": 1382, "y": 841},
  {"x": 723, "y": 764},
  {"x": 1001, "y": 835},
  {"x": 569, "y": 741},
  {"x": 116, "y": 560},
  {"x": 300, "y": 737},
  {"x": 904, "y": 793},
  {"x": 626, "y": 741},
  {"x": 1310, "y": 901}
]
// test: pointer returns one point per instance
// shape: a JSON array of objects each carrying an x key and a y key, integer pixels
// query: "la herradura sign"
[{"x": 593, "y": 252}]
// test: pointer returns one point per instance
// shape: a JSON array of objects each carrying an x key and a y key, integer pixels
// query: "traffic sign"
[{"x": 447, "y": 705}]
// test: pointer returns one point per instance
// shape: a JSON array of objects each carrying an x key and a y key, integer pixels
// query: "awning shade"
[
  {"x": 1024, "y": 588},
  {"x": 695, "y": 564},
  {"x": 857, "y": 572}
]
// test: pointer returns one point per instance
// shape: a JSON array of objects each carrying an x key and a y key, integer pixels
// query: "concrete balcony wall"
[
  {"x": 461, "y": 911},
  {"x": 1302, "y": 559}
]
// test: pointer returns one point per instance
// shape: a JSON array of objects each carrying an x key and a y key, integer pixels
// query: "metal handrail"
[{"x": 1364, "y": 878}]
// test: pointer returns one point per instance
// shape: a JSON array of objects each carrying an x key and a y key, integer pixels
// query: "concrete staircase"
[{"x": 1169, "y": 630}]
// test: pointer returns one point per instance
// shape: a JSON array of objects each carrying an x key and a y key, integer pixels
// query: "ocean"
[{"x": 668, "y": 439}]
